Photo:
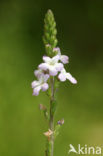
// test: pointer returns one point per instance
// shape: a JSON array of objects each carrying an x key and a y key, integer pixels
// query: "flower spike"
[{"x": 49, "y": 74}]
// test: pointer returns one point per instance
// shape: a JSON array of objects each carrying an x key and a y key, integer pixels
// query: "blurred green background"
[{"x": 80, "y": 35}]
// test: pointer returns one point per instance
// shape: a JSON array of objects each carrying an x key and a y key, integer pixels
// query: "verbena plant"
[{"x": 49, "y": 75}]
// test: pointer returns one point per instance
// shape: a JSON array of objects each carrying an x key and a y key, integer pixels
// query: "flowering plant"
[{"x": 49, "y": 74}]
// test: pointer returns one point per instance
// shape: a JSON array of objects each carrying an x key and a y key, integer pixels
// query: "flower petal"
[
  {"x": 62, "y": 77},
  {"x": 63, "y": 71},
  {"x": 70, "y": 78},
  {"x": 46, "y": 59},
  {"x": 53, "y": 72},
  {"x": 64, "y": 59},
  {"x": 38, "y": 72},
  {"x": 36, "y": 90},
  {"x": 55, "y": 59},
  {"x": 34, "y": 84},
  {"x": 44, "y": 87},
  {"x": 59, "y": 66},
  {"x": 45, "y": 77},
  {"x": 43, "y": 66}
]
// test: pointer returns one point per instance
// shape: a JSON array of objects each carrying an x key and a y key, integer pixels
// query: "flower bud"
[
  {"x": 48, "y": 134},
  {"x": 61, "y": 122},
  {"x": 42, "y": 107}
]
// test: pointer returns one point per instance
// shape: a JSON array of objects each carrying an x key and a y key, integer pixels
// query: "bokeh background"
[{"x": 80, "y": 35}]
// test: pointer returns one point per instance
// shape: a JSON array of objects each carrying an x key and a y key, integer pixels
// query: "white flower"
[
  {"x": 63, "y": 58},
  {"x": 41, "y": 84},
  {"x": 64, "y": 75},
  {"x": 51, "y": 64},
  {"x": 38, "y": 73}
]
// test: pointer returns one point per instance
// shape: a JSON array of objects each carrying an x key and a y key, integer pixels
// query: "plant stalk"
[{"x": 52, "y": 117}]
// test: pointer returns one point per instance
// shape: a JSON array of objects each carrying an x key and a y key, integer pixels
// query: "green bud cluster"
[{"x": 50, "y": 32}]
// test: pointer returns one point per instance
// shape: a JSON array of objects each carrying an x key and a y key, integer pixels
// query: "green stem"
[{"x": 52, "y": 116}]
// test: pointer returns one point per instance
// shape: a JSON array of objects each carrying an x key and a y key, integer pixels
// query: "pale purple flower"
[
  {"x": 64, "y": 75},
  {"x": 51, "y": 64},
  {"x": 63, "y": 58},
  {"x": 38, "y": 73},
  {"x": 40, "y": 84}
]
